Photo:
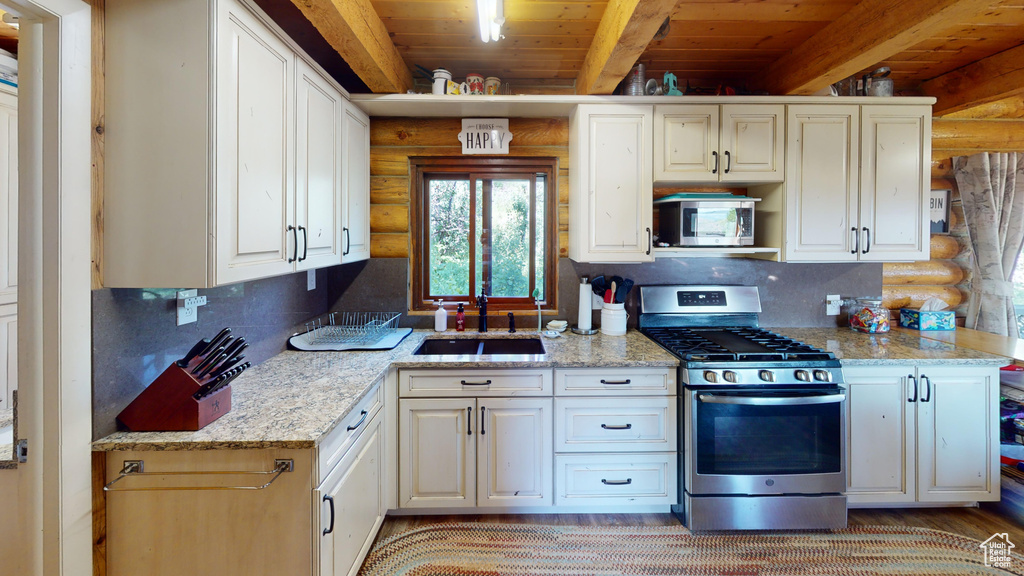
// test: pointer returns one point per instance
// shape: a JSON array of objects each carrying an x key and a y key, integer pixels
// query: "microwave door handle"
[{"x": 762, "y": 401}]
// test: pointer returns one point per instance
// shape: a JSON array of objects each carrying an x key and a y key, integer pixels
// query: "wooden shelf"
[{"x": 724, "y": 252}]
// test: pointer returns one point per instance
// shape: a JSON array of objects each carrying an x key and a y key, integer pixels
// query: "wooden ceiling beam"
[
  {"x": 626, "y": 29},
  {"x": 867, "y": 34},
  {"x": 994, "y": 78},
  {"x": 353, "y": 28}
]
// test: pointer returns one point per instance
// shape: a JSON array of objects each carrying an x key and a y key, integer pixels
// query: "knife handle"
[
  {"x": 212, "y": 345},
  {"x": 207, "y": 361}
]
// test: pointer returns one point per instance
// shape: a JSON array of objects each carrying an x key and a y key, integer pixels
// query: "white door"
[
  {"x": 351, "y": 504},
  {"x": 753, "y": 139},
  {"x": 958, "y": 435},
  {"x": 618, "y": 183},
  {"x": 356, "y": 177},
  {"x": 880, "y": 426},
  {"x": 686, "y": 143},
  {"x": 255, "y": 184},
  {"x": 318, "y": 196},
  {"x": 821, "y": 183},
  {"x": 437, "y": 452},
  {"x": 895, "y": 183},
  {"x": 8, "y": 197},
  {"x": 514, "y": 452}
]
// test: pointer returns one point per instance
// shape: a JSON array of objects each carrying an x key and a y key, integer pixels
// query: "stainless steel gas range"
[{"x": 762, "y": 418}]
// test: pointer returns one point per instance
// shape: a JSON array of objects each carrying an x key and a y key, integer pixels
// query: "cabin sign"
[{"x": 485, "y": 136}]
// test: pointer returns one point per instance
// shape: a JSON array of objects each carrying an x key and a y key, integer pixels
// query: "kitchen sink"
[{"x": 477, "y": 346}]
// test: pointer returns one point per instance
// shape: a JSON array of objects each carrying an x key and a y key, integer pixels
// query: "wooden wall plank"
[
  {"x": 927, "y": 273},
  {"x": 98, "y": 57},
  {"x": 563, "y": 218},
  {"x": 563, "y": 186},
  {"x": 988, "y": 135},
  {"x": 445, "y": 131},
  {"x": 384, "y": 245},
  {"x": 944, "y": 247},
  {"x": 389, "y": 190},
  {"x": 1012, "y": 107},
  {"x": 563, "y": 244},
  {"x": 761, "y": 11},
  {"x": 896, "y": 297},
  {"x": 394, "y": 160},
  {"x": 988, "y": 80},
  {"x": 389, "y": 218}
]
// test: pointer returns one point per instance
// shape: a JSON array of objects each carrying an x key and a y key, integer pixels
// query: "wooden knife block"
[{"x": 167, "y": 404}]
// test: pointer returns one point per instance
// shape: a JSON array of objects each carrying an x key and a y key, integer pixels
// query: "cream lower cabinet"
[
  {"x": 8, "y": 354},
  {"x": 611, "y": 191},
  {"x": 465, "y": 442},
  {"x": 8, "y": 244},
  {"x": 857, "y": 183},
  {"x": 616, "y": 438},
  {"x": 922, "y": 434},
  {"x": 318, "y": 519}
]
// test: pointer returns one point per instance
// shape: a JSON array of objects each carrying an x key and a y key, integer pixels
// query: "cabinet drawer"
[
  {"x": 615, "y": 479},
  {"x": 605, "y": 381},
  {"x": 333, "y": 447},
  {"x": 476, "y": 383},
  {"x": 620, "y": 424}
]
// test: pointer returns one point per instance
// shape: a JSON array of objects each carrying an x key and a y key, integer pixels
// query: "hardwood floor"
[{"x": 978, "y": 523}]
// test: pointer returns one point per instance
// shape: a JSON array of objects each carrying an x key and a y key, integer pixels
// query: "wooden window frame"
[{"x": 485, "y": 166}]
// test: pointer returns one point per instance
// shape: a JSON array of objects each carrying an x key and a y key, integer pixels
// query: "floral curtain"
[{"x": 992, "y": 190}]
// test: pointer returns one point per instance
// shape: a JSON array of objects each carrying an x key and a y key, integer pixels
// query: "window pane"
[
  {"x": 540, "y": 238},
  {"x": 510, "y": 229},
  {"x": 449, "y": 237}
]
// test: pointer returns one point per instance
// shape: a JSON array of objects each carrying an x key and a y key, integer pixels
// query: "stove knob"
[
  {"x": 803, "y": 375},
  {"x": 730, "y": 376},
  {"x": 823, "y": 375},
  {"x": 710, "y": 376},
  {"x": 766, "y": 375}
]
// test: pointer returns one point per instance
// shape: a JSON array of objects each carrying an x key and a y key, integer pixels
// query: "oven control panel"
[{"x": 762, "y": 376}]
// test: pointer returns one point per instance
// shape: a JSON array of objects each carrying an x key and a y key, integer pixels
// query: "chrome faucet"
[{"x": 481, "y": 304}]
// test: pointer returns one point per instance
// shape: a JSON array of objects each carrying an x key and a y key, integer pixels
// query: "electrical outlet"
[
  {"x": 311, "y": 280},
  {"x": 188, "y": 306},
  {"x": 832, "y": 304}
]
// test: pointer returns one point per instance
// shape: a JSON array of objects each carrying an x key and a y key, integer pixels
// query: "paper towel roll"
[{"x": 585, "y": 313}]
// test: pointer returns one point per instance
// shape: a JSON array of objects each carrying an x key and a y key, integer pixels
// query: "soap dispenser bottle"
[
  {"x": 460, "y": 319},
  {"x": 440, "y": 317}
]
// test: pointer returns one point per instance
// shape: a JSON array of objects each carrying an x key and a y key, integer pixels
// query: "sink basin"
[{"x": 478, "y": 346}]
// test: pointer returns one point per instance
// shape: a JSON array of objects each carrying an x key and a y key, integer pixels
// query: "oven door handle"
[{"x": 770, "y": 401}]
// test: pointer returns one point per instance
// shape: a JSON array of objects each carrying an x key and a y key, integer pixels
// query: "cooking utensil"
[
  {"x": 598, "y": 285},
  {"x": 608, "y": 296},
  {"x": 623, "y": 290}
]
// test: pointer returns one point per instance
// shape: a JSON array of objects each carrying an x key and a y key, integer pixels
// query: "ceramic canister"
[
  {"x": 476, "y": 84},
  {"x": 613, "y": 319},
  {"x": 441, "y": 79},
  {"x": 492, "y": 85}
]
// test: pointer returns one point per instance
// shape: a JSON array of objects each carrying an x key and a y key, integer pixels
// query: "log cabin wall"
[{"x": 947, "y": 275}]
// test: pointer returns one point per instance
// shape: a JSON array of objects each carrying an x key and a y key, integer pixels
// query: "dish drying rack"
[{"x": 351, "y": 331}]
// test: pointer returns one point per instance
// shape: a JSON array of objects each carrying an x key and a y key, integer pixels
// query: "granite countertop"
[
  {"x": 7, "y": 443},
  {"x": 890, "y": 348},
  {"x": 296, "y": 398}
]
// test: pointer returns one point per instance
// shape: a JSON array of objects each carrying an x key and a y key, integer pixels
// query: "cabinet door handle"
[
  {"x": 348, "y": 243},
  {"x": 469, "y": 421},
  {"x": 625, "y": 482},
  {"x": 867, "y": 243},
  {"x": 913, "y": 382},
  {"x": 483, "y": 420},
  {"x": 295, "y": 245},
  {"x": 927, "y": 388},
  {"x": 617, "y": 426},
  {"x": 650, "y": 241},
  {"x": 329, "y": 500},
  {"x": 856, "y": 241},
  {"x": 360, "y": 423},
  {"x": 305, "y": 243},
  {"x": 728, "y": 161},
  {"x": 715, "y": 154},
  {"x": 484, "y": 383},
  {"x": 618, "y": 382}
]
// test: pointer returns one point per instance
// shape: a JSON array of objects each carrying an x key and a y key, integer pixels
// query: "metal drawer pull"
[
  {"x": 483, "y": 419},
  {"x": 484, "y": 383},
  {"x": 360, "y": 423},
  {"x": 136, "y": 467},
  {"x": 295, "y": 245},
  {"x": 715, "y": 169},
  {"x": 469, "y": 420},
  {"x": 856, "y": 241},
  {"x": 626, "y": 381},
  {"x": 783, "y": 401},
  {"x": 927, "y": 388},
  {"x": 617, "y": 482},
  {"x": 617, "y": 426},
  {"x": 914, "y": 384},
  {"x": 329, "y": 499}
]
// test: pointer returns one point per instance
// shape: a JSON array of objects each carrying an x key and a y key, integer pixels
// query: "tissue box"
[{"x": 927, "y": 319}]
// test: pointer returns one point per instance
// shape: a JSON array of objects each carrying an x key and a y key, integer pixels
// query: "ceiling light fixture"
[{"x": 491, "y": 14}]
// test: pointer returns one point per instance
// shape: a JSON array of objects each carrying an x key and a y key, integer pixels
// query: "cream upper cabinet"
[
  {"x": 611, "y": 192},
  {"x": 223, "y": 148},
  {"x": 857, "y": 183},
  {"x": 319, "y": 173},
  {"x": 895, "y": 182},
  {"x": 922, "y": 434},
  {"x": 356, "y": 184},
  {"x": 822, "y": 182},
  {"x": 741, "y": 143},
  {"x": 8, "y": 195}
]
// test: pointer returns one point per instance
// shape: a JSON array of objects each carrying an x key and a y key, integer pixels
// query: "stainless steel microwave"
[{"x": 706, "y": 220}]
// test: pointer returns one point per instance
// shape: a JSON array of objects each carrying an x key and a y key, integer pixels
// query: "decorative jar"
[{"x": 868, "y": 315}]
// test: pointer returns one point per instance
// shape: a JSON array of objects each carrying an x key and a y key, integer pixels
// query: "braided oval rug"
[{"x": 478, "y": 549}]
